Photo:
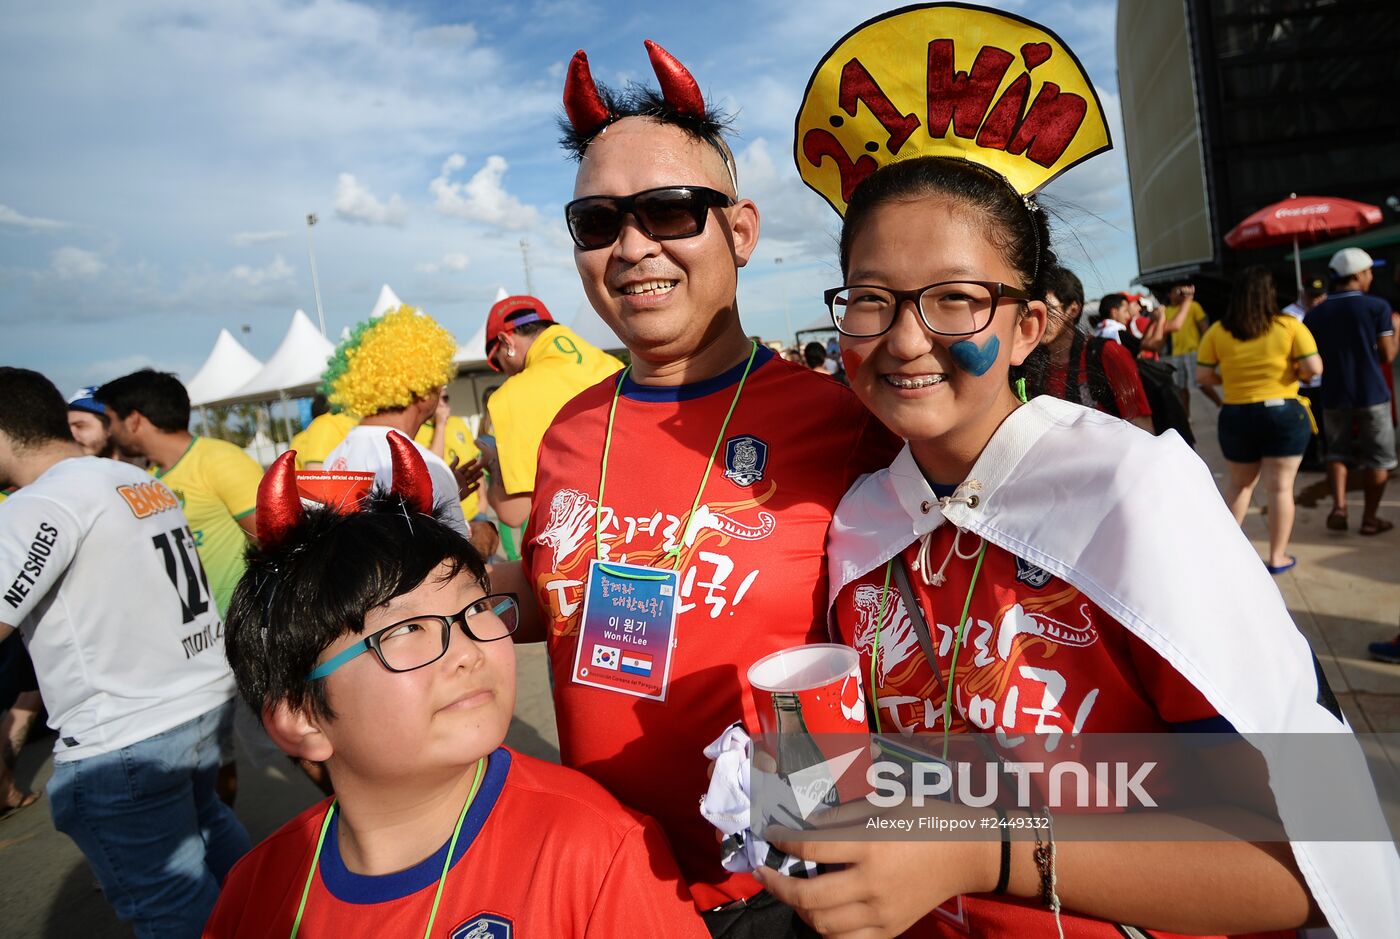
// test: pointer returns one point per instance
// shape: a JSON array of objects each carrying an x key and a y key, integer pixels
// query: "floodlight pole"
[
  {"x": 315, "y": 284},
  {"x": 525, "y": 259}
]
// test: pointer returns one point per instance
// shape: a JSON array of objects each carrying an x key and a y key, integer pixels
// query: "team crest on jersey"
[
  {"x": 485, "y": 926},
  {"x": 1030, "y": 575},
  {"x": 745, "y": 459}
]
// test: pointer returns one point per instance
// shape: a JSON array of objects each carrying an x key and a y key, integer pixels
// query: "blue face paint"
[{"x": 976, "y": 360}]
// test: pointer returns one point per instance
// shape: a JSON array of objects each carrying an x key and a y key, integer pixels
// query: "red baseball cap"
[{"x": 508, "y": 314}]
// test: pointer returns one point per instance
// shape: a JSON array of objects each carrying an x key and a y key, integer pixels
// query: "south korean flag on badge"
[
  {"x": 745, "y": 459},
  {"x": 606, "y": 657}
]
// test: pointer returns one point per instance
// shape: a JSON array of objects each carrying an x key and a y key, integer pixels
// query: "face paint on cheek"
[
  {"x": 852, "y": 360},
  {"x": 971, "y": 358}
]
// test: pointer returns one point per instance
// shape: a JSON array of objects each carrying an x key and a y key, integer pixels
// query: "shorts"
[
  {"x": 1372, "y": 446},
  {"x": 1250, "y": 432},
  {"x": 16, "y": 671},
  {"x": 1183, "y": 370}
]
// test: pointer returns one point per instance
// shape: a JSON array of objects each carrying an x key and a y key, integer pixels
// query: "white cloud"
[
  {"x": 481, "y": 198},
  {"x": 355, "y": 203},
  {"x": 9, "y": 216},
  {"x": 451, "y": 261},
  {"x": 451, "y": 34},
  {"x": 254, "y": 277},
  {"x": 71, "y": 263},
  {"x": 245, "y": 238}
]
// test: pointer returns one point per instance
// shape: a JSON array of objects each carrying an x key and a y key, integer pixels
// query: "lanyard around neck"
[
  {"x": 446, "y": 863},
  {"x": 675, "y": 552}
]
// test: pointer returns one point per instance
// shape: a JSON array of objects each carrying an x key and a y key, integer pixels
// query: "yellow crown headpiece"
[{"x": 947, "y": 79}]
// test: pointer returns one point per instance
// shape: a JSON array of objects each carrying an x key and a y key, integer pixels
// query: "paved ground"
[{"x": 1344, "y": 593}]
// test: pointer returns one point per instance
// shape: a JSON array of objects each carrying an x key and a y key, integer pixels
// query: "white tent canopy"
[
  {"x": 473, "y": 351},
  {"x": 388, "y": 301},
  {"x": 294, "y": 369},
  {"x": 228, "y": 368}
]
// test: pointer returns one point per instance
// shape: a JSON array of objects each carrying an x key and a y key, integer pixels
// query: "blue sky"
[{"x": 158, "y": 159}]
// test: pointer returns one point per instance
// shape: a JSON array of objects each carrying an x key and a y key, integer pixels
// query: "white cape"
[{"x": 1102, "y": 505}]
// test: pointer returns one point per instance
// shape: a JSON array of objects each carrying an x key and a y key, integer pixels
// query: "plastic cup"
[{"x": 824, "y": 677}]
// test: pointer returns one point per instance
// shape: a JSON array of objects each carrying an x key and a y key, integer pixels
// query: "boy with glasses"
[{"x": 371, "y": 641}]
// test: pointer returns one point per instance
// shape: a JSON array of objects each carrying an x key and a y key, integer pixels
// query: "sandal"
[
  {"x": 1374, "y": 526},
  {"x": 1337, "y": 520},
  {"x": 26, "y": 800}
]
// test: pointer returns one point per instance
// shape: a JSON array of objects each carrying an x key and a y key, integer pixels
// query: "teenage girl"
[{"x": 1039, "y": 541}]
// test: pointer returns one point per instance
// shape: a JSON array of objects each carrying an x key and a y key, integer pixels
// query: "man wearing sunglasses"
[
  {"x": 709, "y": 461},
  {"x": 545, "y": 365}
]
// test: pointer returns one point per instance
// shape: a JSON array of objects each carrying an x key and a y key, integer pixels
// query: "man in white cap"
[{"x": 1356, "y": 336}]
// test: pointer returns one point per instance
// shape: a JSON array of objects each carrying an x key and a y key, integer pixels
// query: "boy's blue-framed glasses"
[{"x": 422, "y": 640}]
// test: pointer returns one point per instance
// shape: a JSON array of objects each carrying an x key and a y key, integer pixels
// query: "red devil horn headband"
[
  {"x": 678, "y": 86},
  {"x": 279, "y": 506},
  {"x": 587, "y": 111},
  {"x": 411, "y": 479},
  {"x": 582, "y": 103}
]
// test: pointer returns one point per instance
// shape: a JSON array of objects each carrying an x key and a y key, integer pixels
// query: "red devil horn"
[
  {"x": 678, "y": 86},
  {"x": 411, "y": 479},
  {"x": 279, "y": 506},
  {"x": 582, "y": 102}
]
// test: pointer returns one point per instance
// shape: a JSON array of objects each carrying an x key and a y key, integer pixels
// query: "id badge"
[{"x": 628, "y": 629}]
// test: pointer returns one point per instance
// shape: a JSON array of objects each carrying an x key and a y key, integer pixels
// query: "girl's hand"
[{"x": 885, "y": 886}]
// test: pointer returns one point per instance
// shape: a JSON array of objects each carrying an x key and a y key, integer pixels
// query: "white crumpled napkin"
[{"x": 726, "y": 806}]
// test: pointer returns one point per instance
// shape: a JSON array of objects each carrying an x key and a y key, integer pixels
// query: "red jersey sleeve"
[
  {"x": 642, "y": 893},
  {"x": 873, "y": 446},
  {"x": 1177, "y": 701},
  {"x": 1122, "y": 374}
]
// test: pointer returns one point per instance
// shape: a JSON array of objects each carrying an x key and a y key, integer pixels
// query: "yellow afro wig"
[{"x": 387, "y": 363}]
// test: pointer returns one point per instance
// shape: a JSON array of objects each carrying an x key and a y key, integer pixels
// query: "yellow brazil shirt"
[
  {"x": 459, "y": 443},
  {"x": 1258, "y": 369},
  {"x": 321, "y": 436},
  {"x": 1188, "y": 337},
  {"x": 558, "y": 366},
  {"x": 217, "y": 484}
]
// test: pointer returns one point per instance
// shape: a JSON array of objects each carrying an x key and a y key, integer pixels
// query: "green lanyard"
[
  {"x": 446, "y": 864},
  {"x": 963, "y": 621},
  {"x": 674, "y": 553}
]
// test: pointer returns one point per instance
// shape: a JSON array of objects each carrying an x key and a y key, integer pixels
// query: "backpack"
[{"x": 1159, "y": 383}]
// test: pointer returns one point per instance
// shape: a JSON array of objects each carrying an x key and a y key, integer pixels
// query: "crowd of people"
[{"x": 361, "y": 599}]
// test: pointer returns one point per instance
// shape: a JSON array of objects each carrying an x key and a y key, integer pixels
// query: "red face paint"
[{"x": 852, "y": 360}]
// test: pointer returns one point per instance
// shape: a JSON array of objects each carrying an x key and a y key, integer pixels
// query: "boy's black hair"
[
  {"x": 320, "y": 583},
  {"x": 814, "y": 354},
  {"x": 159, "y": 397},
  {"x": 32, "y": 412}
]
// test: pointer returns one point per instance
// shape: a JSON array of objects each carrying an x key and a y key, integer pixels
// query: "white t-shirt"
[
  {"x": 98, "y": 570},
  {"x": 366, "y": 450}
]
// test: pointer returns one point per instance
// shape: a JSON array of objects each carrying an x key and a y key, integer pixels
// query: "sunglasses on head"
[{"x": 663, "y": 214}]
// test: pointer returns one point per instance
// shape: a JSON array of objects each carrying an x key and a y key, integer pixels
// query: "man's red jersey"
[
  {"x": 1037, "y": 658},
  {"x": 752, "y": 579},
  {"x": 543, "y": 852}
]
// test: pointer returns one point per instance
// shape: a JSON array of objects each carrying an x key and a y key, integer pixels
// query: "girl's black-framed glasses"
[{"x": 947, "y": 308}]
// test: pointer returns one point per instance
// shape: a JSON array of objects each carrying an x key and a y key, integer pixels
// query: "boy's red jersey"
[
  {"x": 543, "y": 852},
  {"x": 752, "y": 579}
]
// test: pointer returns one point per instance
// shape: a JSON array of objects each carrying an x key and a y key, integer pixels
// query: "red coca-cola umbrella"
[{"x": 1302, "y": 218}]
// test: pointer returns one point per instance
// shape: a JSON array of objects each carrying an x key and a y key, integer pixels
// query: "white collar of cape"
[{"x": 1136, "y": 524}]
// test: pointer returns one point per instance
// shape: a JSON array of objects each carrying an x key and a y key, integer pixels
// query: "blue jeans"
[{"x": 148, "y": 820}]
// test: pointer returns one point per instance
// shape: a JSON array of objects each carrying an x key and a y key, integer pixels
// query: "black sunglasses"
[{"x": 663, "y": 214}]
